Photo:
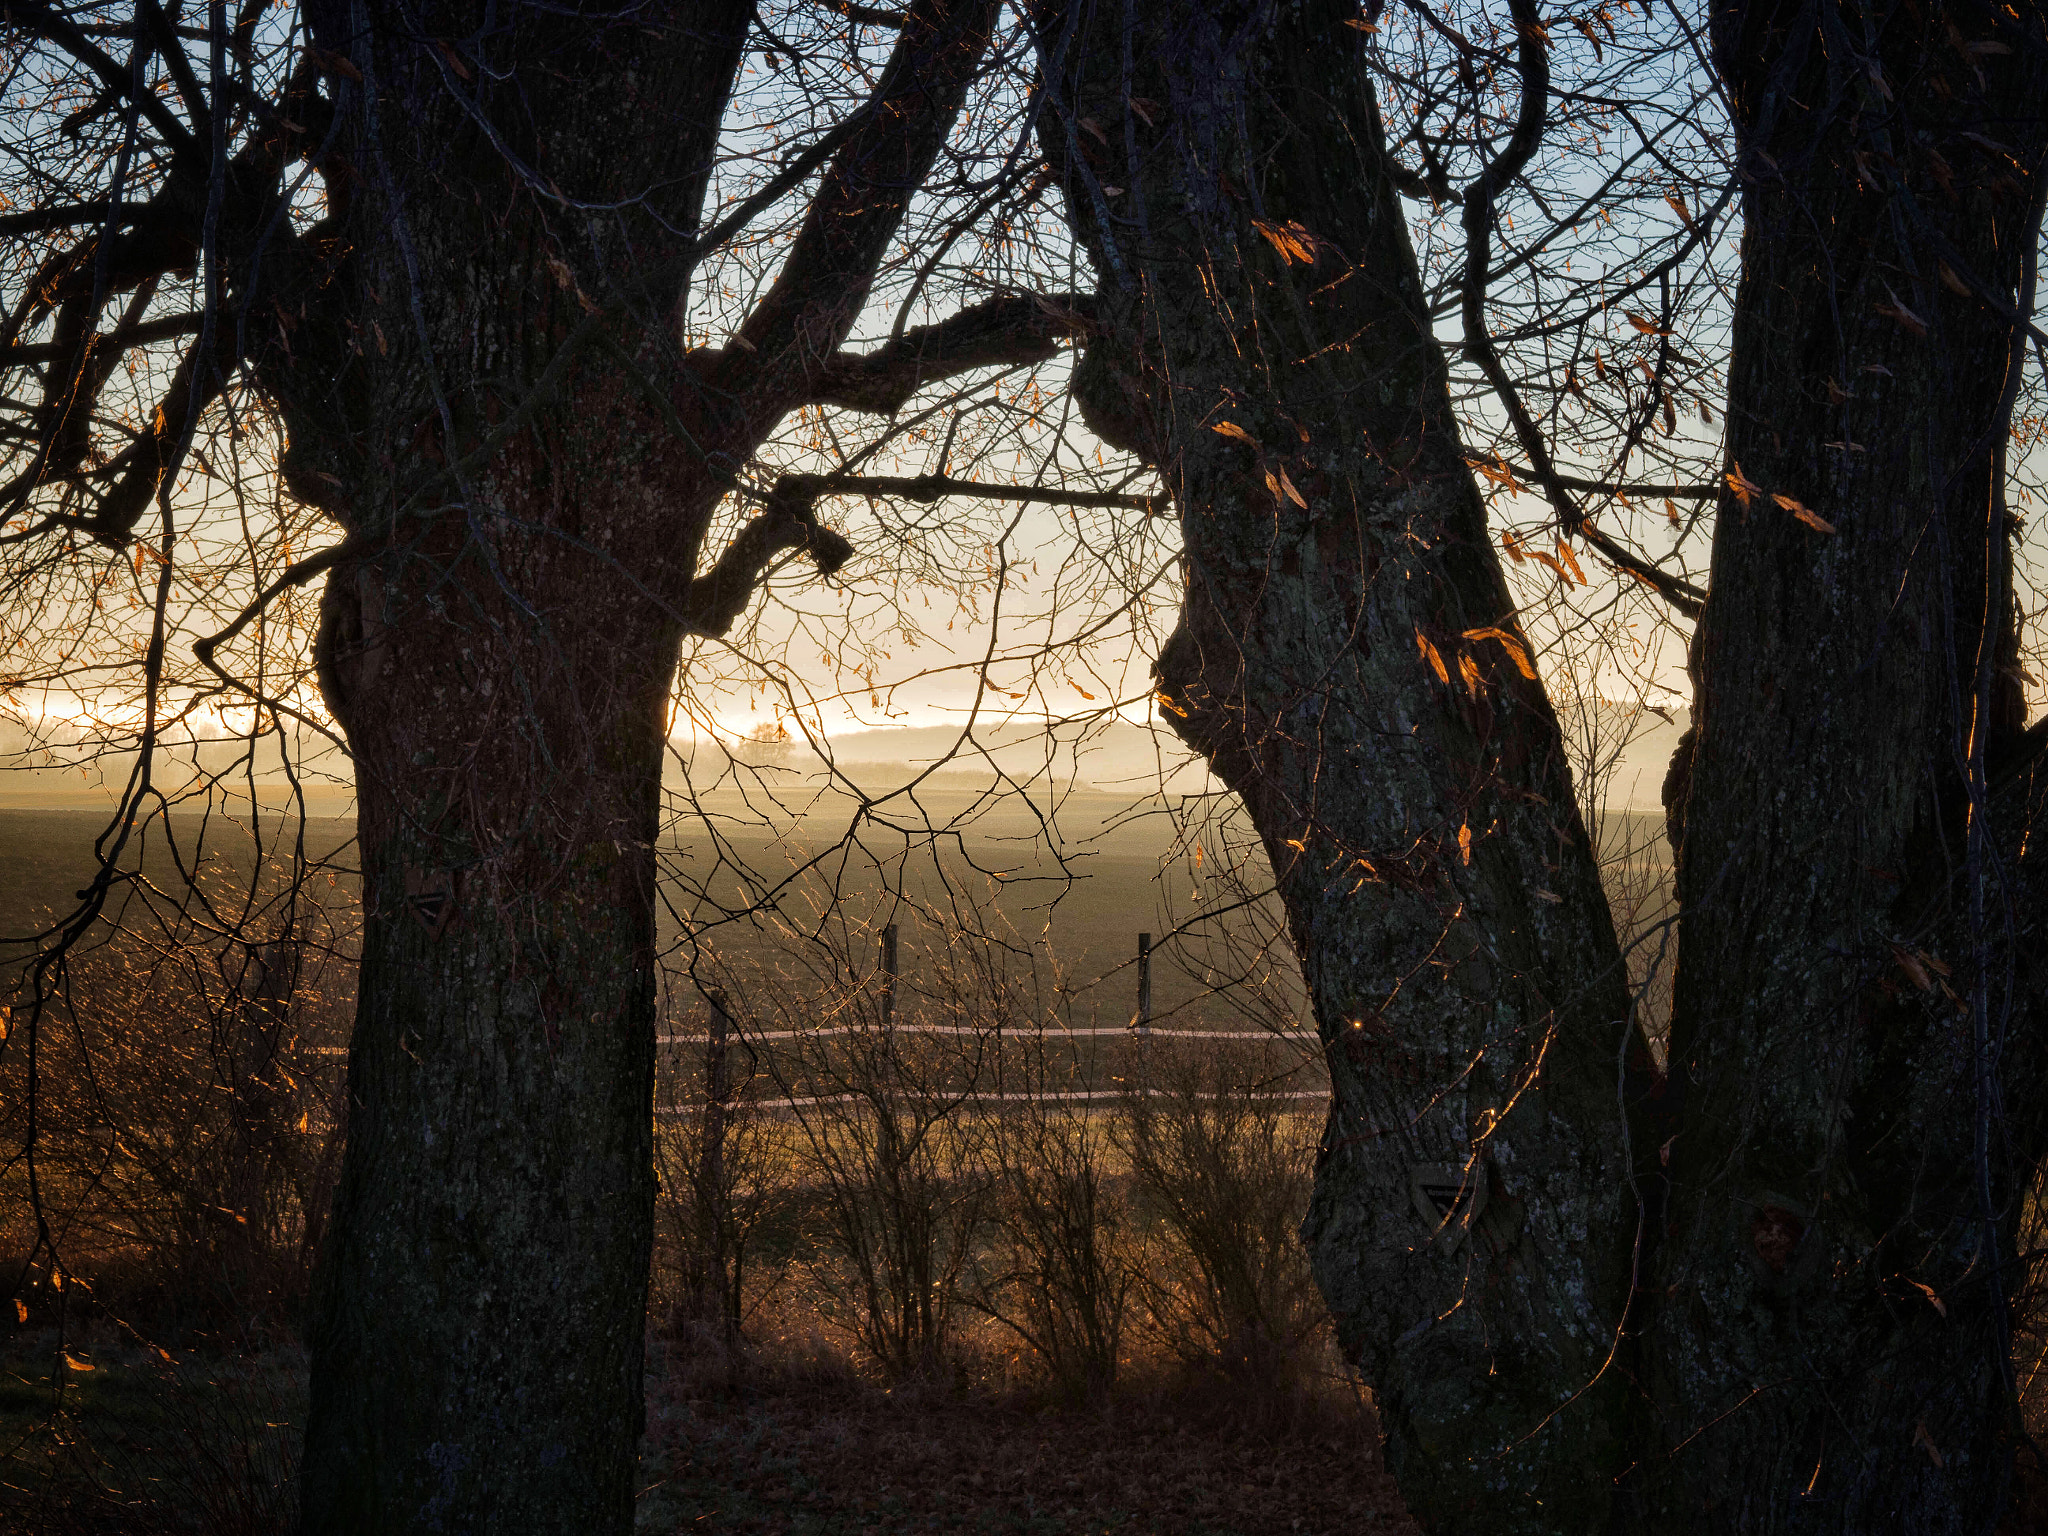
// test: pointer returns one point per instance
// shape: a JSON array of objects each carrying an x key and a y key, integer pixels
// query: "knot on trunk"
[
  {"x": 1775, "y": 1233},
  {"x": 1678, "y": 790},
  {"x": 1111, "y": 399}
]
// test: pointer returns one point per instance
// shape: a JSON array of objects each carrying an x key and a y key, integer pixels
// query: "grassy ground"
[{"x": 137, "y": 1443}]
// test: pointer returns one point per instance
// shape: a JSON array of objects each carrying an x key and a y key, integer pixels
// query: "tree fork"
[{"x": 1347, "y": 661}]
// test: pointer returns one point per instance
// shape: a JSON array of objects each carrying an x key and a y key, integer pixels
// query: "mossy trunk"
[
  {"x": 1858, "y": 1004},
  {"x": 1347, "y": 659}
]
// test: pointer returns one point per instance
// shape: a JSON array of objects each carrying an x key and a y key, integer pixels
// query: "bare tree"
[
  {"x": 448, "y": 251},
  {"x": 1856, "y": 1047},
  {"x": 1846, "y": 1123},
  {"x": 1348, "y": 660},
  {"x": 530, "y": 331}
]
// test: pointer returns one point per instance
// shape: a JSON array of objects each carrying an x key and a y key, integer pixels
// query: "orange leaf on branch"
[
  {"x": 1430, "y": 655},
  {"x": 1512, "y": 644},
  {"x": 1805, "y": 514},
  {"x": 1289, "y": 239}
]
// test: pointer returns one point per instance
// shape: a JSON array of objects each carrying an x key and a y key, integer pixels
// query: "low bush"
[
  {"x": 1221, "y": 1158},
  {"x": 1063, "y": 1255},
  {"x": 186, "y": 1106}
]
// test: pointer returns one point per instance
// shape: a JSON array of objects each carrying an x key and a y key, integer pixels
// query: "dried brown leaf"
[
  {"x": 1512, "y": 644},
  {"x": 1429, "y": 654},
  {"x": 1290, "y": 239},
  {"x": 1804, "y": 513},
  {"x": 1897, "y": 311},
  {"x": 1924, "y": 1441},
  {"x": 1287, "y": 486}
]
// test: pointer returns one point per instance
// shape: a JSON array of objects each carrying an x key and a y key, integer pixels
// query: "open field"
[
  {"x": 1078, "y": 877},
  {"x": 1009, "y": 939}
]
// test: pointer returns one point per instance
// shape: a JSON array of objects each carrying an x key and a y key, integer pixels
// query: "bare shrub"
[
  {"x": 188, "y": 1108},
  {"x": 880, "y": 1082},
  {"x": 1222, "y": 1161},
  {"x": 1063, "y": 1257},
  {"x": 227, "y": 1458},
  {"x": 725, "y": 1180},
  {"x": 1230, "y": 933},
  {"x": 124, "y": 1439}
]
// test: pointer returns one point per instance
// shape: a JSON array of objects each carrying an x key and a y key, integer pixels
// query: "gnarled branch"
[
  {"x": 1012, "y": 329},
  {"x": 1534, "y": 64},
  {"x": 795, "y": 331},
  {"x": 930, "y": 488},
  {"x": 789, "y": 521}
]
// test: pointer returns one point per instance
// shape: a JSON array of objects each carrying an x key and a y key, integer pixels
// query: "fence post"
[
  {"x": 707, "y": 1277},
  {"x": 888, "y": 975},
  {"x": 1144, "y": 1019}
]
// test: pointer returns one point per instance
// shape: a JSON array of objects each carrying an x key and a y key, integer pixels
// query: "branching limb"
[
  {"x": 867, "y": 15},
  {"x": 1706, "y": 492},
  {"x": 930, "y": 488},
  {"x": 122, "y": 337},
  {"x": 1429, "y": 184},
  {"x": 794, "y": 333},
  {"x": 789, "y": 521},
  {"x": 1533, "y": 62},
  {"x": 1009, "y": 330},
  {"x": 47, "y": 21},
  {"x": 159, "y": 452}
]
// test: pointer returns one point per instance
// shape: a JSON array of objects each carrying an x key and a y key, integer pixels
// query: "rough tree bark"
[
  {"x": 475, "y": 361},
  {"x": 1348, "y": 661},
  {"x": 491, "y": 402},
  {"x": 477, "y": 1322},
  {"x": 1858, "y": 1000}
]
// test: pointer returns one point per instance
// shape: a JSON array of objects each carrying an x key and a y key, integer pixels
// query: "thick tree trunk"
[
  {"x": 493, "y": 406},
  {"x": 500, "y": 651},
  {"x": 1348, "y": 661},
  {"x": 1856, "y": 1014},
  {"x": 477, "y": 1334}
]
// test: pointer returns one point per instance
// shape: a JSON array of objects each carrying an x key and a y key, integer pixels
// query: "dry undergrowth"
[{"x": 812, "y": 1448}]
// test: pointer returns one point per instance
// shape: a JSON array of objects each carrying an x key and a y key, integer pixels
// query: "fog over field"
[{"x": 1097, "y": 846}]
